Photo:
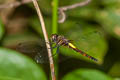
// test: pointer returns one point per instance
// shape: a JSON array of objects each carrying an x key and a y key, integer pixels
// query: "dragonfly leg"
[
  {"x": 71, "y": 41},
  {"x": 55, "y": 46},
  {"x": 57, "y": 51}
]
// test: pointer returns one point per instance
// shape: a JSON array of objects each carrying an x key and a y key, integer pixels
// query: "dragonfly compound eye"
[{"x": 54, "y": 37}]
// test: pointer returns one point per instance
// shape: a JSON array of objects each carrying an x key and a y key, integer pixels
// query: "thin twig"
[
  {"x": 46, "y": 39},
  {"x": 62, "y": 16},
  {"x": 80, "y": 4},
  {"x": 69, "y": 7},
  {"x": 14, "y": 4}
]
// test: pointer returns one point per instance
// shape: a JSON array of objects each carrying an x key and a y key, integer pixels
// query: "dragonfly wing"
[
  {"x": 34, "y": 49},
  {"x": 88, "y": 40}
]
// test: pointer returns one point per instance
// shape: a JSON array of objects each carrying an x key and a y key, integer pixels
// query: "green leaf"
[
  {"x": 109, "y": 18},
  {"x": 14, "y": 66},
  {"x": 87, "y": 38},
  {"x": 115, "y": 70},
  {"x": 1, "y": 29},
  {"x": 86, "y": 74}
]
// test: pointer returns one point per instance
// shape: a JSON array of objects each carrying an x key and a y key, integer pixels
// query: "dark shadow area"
[{"x": 113, "y": 54}]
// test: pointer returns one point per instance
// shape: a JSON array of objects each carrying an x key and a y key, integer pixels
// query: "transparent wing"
[
  {"x": 88, "y": 39},
  {"x": 37, "y": 51},
  {"x": 34, "y": 49}
]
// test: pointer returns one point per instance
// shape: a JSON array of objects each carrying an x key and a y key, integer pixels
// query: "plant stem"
[
  {"x": 46, "y": 39},
  {"x": 55, "y": 29},
  {"x": 55, "y": 17}
]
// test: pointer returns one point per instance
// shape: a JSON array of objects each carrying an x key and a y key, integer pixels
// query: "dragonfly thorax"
[{"x": 59, "y": 40}]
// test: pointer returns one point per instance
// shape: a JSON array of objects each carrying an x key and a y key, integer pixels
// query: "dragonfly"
[
  {"x": 60, "y": 40},
  {"x": 38, "y": 51}
]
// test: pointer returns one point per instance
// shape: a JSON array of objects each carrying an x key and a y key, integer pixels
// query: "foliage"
[
  {"x": 94, "y": 29},
  {"x": 86, "y": 74},
  {"x": 1, "y": 29},
  {"x": 15, "y": 66}
]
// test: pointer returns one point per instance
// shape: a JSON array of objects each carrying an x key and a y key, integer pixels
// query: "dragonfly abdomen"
[{"x": 81, "y": 52}]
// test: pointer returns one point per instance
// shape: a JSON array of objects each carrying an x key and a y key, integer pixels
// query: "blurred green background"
[{"x": 94, "y": 28}]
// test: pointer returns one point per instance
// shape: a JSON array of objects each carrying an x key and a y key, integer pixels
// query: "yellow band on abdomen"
[{"x": 71, "y": 45}]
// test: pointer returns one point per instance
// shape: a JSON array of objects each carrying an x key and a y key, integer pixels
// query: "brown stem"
[
  {"x": 46, "y": 39},
  {"x": 80, "y": 4}
]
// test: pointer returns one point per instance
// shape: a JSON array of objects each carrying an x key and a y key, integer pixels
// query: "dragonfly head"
[{"x": 53, "y": 37}]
